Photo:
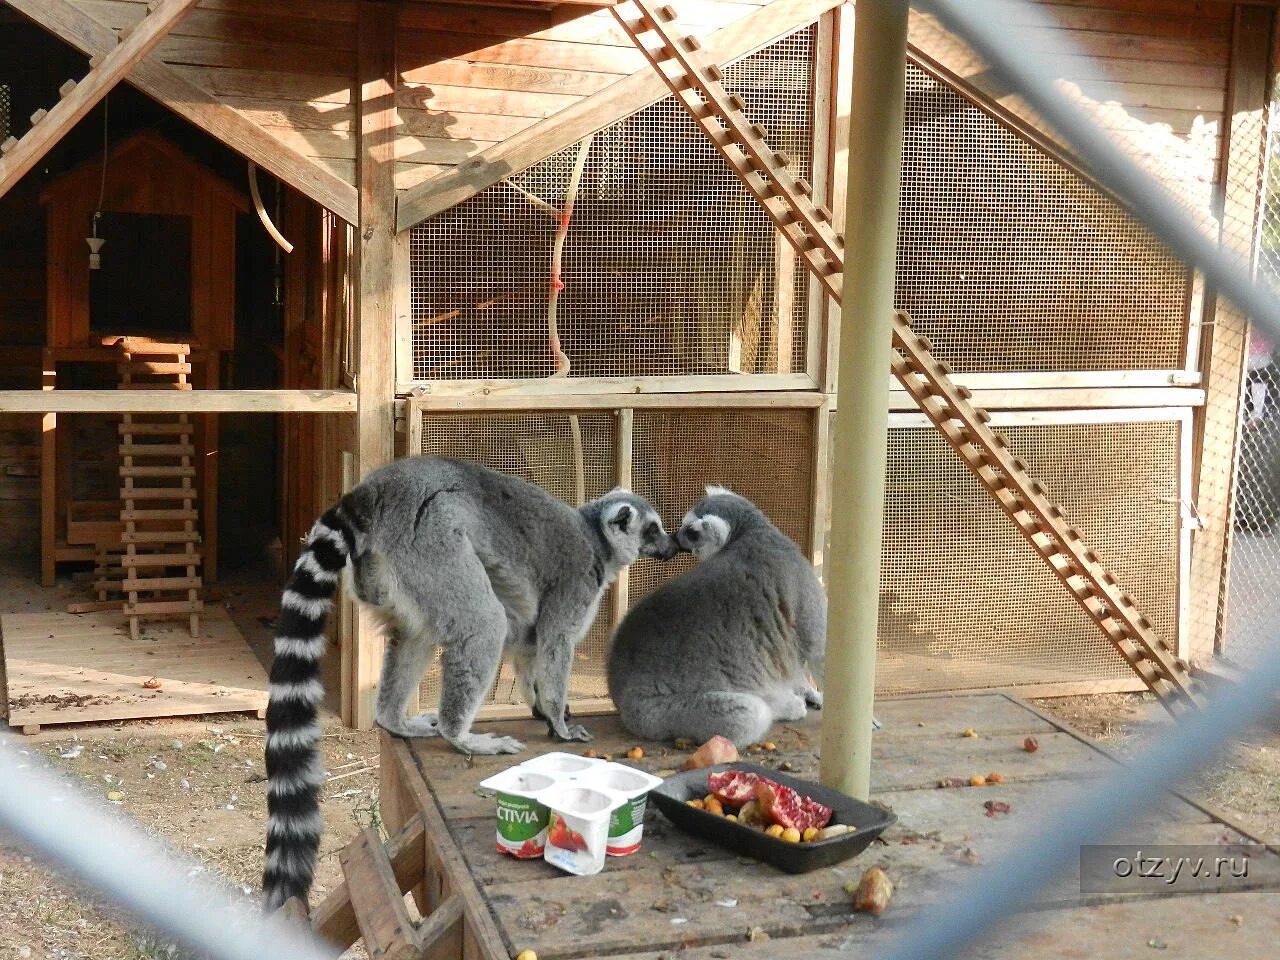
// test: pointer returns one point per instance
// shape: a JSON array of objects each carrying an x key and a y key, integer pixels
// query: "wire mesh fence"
[
  {"x": 1057, "y": 835},
  {"x": 1249, "y": 613}
]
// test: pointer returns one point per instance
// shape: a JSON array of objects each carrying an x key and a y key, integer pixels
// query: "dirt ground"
[
  {"x": 199, "y": 785},
  {"x": 1243, "y": 784}
]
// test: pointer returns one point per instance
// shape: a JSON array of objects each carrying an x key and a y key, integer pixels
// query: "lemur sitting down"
[{"x": 726, "y": 648}]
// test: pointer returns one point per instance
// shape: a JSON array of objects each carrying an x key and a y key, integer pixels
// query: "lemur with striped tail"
[{"x": 453, "y": 555}]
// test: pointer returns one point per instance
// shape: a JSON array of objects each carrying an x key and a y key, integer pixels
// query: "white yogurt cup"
[
  {"x": 560, "y": 765},
  {"x": 578, "y": 834},
  {"x": 522, "y": 817},
  {"x": 626, "y": 825}
]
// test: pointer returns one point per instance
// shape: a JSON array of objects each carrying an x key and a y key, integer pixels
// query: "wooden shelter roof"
[{"x": 485, "y": 89}]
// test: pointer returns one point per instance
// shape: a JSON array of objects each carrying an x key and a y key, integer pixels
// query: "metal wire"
[
  {"x": 1010, "y": 887},
  {"x": 1009, "y": 260},
  {"x": 668, "y": 257},
  {"x": 119, "y": 862}
]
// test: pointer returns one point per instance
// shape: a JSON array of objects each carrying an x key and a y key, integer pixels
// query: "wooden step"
[
  {"x": 166, "y": 471},
  {"x": 157, "y": 450},
  {"x": 159, "y": 583},
  {"x": 144, "y": 607},
  {"x": 156, "y": 428},
  {"x": 153, "y": 367},
  {"x": 142, "y": 347},
  {"x": 131, "y": 560},
  {"x": 178, "y": 513},
  {"x": 158, "y": 493},
  {"x": 160, "y": 536}
]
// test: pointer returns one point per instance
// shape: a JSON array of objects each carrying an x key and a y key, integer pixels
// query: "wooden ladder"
[
  {"x": 159, "y": 516},
  {"x": 697, "y": 85}
]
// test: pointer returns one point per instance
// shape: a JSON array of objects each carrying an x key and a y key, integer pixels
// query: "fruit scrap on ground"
[
  {"x": 969, "y": 732},
  {"x": 977, "y": 781},
  {"x": 1031, "y": 744},
  {"x": 997, "y": 808},
  {"x": 716, "y": 750},
  {"x": 995, "y": 778},
  {"x": 152, "y": 684},
  {"x": 873, "y": 892},
  {"x": 635, "y": 753}
]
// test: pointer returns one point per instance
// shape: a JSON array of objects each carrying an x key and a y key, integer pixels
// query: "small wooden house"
[{"x": 417, "y": 157}]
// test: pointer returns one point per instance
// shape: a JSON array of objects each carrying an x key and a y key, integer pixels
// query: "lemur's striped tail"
[{"x": 294, "y": 770}]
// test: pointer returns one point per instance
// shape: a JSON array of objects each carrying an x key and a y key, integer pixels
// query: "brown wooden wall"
[
  {"x": 146, "y": 174},
  {"x": 316, "y": 312}
]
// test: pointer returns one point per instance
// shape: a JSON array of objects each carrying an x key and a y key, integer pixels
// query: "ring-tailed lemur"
[
  {"x": 453, "y": 555},
  {"x": 724, "y": 648}
]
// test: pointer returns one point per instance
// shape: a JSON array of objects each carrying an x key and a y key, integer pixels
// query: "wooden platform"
[
  {"x": 74, "y": 668},
  {"x": 679, "y": 894}
]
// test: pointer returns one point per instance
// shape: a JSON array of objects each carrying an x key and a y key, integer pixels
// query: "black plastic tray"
[{"x": 867, "y": 821}]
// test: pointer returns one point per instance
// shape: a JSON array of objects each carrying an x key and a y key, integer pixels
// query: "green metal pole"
[{"x": 862, "y": 395}]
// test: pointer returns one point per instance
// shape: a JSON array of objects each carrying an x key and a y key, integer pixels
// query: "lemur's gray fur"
[
  {"x": 724, "y": 648},
  {"x": 456, "y": 556}
]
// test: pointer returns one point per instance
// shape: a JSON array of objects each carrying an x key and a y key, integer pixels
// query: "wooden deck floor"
[
  {"x": 679, "y": 894},
  {"x": 74, "y": 668}
]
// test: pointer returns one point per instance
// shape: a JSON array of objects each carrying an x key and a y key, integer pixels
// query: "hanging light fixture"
[{"x": 94, "y": 241}]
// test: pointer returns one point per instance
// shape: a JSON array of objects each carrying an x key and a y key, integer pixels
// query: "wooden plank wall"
[
  {"x": 287, "y": 65},
  {"x": 1155, "y": 75},
  {"x": 470, "y": 76}
]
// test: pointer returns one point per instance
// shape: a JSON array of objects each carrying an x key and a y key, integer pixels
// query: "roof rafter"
[
  {"x": 220, "y": 120},
  {"x": 79, "y": 98},
  {"x": 618, "y": 100}
]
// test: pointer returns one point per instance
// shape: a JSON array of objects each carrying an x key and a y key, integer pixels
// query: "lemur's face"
[
  {"x": 706, "y": 527},
  {"x": 634, "y": 529}
]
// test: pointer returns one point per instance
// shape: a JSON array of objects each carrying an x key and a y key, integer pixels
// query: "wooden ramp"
[
  {"x": 682, "y": 896},
  {"x": 76, "y": 668},
  {"x": 695, "y": 82}
]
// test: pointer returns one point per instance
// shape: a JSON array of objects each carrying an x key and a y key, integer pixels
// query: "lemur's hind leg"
[
  {"x": 470, "y": 624},
  {"x": 403, "y": 664}
]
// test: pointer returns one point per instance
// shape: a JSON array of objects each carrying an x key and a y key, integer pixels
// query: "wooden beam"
[
  {"x": 376, "y": 299},
  {"x": 617, "y": 401},
  {"x": 618, "y": 100},
  {"x": 1226, "y": 331},
  {"x": 158, "y": 80},
  {"x": 81, "y": 97},
  {"x": 177, "y": 401}
]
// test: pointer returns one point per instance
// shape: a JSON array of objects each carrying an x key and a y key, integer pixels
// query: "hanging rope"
[{"x": 270, "y": 227}]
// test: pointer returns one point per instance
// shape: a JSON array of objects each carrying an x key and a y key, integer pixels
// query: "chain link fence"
[{"x": 1251, "y": 610}]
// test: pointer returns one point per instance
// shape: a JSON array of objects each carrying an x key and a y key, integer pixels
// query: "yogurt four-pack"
[{"x": 570, "y": 810}]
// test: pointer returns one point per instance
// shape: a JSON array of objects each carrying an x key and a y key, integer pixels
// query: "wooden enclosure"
[
  {"x": 427, "y": 150},
  {"x": 147, "y": 182}
]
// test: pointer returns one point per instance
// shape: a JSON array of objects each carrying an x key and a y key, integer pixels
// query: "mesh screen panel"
[
  {"x": 968, "y": 603},
  {"x": 1251, "y": 614},
  {"x": 1009, "y": 261},
  {"x": 765, "y": 455},
  {"x": 6, "y": 109},
  {"x": 538, "y": 447},
  {"x": 668, "y": 259}
]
